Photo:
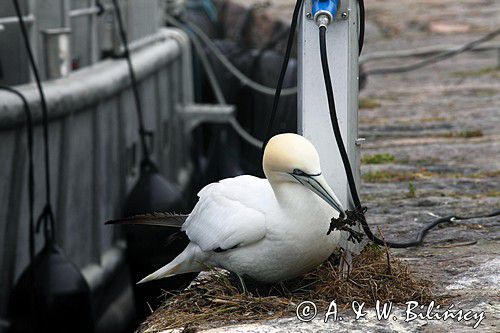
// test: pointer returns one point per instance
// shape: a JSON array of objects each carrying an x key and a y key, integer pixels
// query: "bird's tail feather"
[
  {"x": 187, "y": 262},
  {"x": 154, "y": 219}
]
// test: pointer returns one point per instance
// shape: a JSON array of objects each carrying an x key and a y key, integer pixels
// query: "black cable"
[
  {"x": 31, "y": 173},
  {"x": 31, "y": 195},
  {"x": 274, "y": 40},
  {"x": 133, "y": 79},
  {"x": 333, "y": 113},
  {"x": 436, "y": 58},
  {"x": 47, "y": 214},
  {"x": 362, "y": 23},
  {"x": 40, "y": 90},
  {"x": 358, "y": 213},
  {"x": 359, "y": 210},
  {"x": 247, "y": 20},
  {"x": 284, "y": 66},
  {"x": 286, "y": 59},
  {"x": 269, "y": 45}
]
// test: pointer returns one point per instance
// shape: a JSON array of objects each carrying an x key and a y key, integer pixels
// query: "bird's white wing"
[{"x": 230, "y": 213}]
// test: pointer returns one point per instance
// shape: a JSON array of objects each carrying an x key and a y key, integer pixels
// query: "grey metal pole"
[{"x": 313, "y": 113}]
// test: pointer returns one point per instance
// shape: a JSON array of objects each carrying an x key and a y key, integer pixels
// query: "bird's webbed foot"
[{"x": 352, "y": 217}]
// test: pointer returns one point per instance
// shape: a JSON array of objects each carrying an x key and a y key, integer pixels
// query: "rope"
[
  {"x": 244, "y": 79},
  {"x": 214, "y": 83},
  {"x": 362, "y": 24},
  {"x": 284, "y": 66},
  {"x": 219, "y": 95},
  {"x": 47, "y": 214},
  {"x": 436, "y": 58},
  {"x": 133, "y": 79},
  {"x": 31, "y": 172}
]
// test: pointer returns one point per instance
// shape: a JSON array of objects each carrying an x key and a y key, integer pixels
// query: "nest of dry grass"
[{"x": 217, "y": 298}]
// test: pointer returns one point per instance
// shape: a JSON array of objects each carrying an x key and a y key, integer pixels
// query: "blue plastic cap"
[{"x": 330, "y": 6}]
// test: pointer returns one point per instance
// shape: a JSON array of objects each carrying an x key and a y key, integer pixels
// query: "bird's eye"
[{"x": 298, "y": 172}]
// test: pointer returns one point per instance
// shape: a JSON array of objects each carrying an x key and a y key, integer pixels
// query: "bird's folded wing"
[{"x": 225, "y": 217}]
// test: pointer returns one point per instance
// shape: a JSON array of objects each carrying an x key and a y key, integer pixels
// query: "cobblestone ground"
[
  {"x": 432, "y": 148},
  {"x": 441, "y": 126}
]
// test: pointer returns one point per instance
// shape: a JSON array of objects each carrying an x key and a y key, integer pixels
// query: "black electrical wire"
[
  {"x": 269, "y": 45},
  {"x": 31, "y": 173},
  {"x": 47, "y": 214},
  {"x": 284, "y": 66},
  {"x": 31, "y": 192},
  {"x": 247, "y": 21},
  {"x": 362, "y": 24},
  {"x": 434, "y": 59},
  {"x": 286, "y": 60},
  {"x": 333, "y": 112},
  {"x": 359, "y": 210},
  {"x": 133, "y": 79}
]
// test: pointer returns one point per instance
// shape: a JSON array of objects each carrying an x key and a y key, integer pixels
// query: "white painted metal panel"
[{"x": 313, "y": 113}]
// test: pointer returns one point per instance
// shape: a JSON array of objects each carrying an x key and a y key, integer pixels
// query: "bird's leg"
[
  {"x": 345, "y": 263},
  {"x": 243, "y": 285},
  {"x": 284, "y": 288}
]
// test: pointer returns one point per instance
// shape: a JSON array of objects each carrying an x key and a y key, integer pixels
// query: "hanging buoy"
[
  {"x": 229, "y": 157},
  {"x": 153, "y": 192},
  {"x": 51, "y": 295},
  {"x": 149, "y": 247},
  {"x": 60, "y": 296}
]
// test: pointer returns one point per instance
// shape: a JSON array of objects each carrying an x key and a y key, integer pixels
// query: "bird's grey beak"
[{"x": 318, "y": 185}]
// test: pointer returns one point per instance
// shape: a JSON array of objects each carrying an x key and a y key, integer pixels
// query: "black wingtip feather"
[{"x": 154, "y": 219}]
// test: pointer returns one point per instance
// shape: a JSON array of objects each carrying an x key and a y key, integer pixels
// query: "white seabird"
[{"x": 270, "y": 229}]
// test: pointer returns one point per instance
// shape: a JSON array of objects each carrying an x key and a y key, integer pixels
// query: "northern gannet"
[{"x": 270, "y": 229}]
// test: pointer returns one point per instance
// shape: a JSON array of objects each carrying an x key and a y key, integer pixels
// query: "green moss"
[
  {"x": 388, "y": 176},
  {"x": 372, "y": 247},
  {"x": 493, "y": 71},
  {"x": 368, "y": 103},
  {"x": 486, "y": 174},
  {"x": 383, "y": 176},
  {"x": 412, "y": 191},
  {"x": 491, "y": 194},
  {"x": 471, "y": 134},
  {"x": 467, "y": 134},
  {"x": 378, "y": 159}
]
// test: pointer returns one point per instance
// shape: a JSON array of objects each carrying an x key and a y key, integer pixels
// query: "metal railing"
[
  {"x": 91, "y": 35},
  {"x": 28, "y": 19},
  {"x": 94, "y": 10},
  {"x": 93, "y": 131}
]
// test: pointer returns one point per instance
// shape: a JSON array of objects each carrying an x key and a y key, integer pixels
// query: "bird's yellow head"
[
  {"x": 291, "y": 158},
  {"x": 286, "y": 152}
]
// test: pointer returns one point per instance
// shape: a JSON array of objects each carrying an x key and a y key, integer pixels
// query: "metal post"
[
  {"x": 57, "y": 52},
  {"x": 93, "y": 44},
  {"x": 313, "y": 115},
  {"x": 65, "y": 19},
  {"x": 32, "y": 32}
]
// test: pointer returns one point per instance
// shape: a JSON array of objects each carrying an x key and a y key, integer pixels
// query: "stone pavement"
[{"x": 441, "y": 126}]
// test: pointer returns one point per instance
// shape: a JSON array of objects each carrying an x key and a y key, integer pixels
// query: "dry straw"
[{"x": 217, "y": 298}]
